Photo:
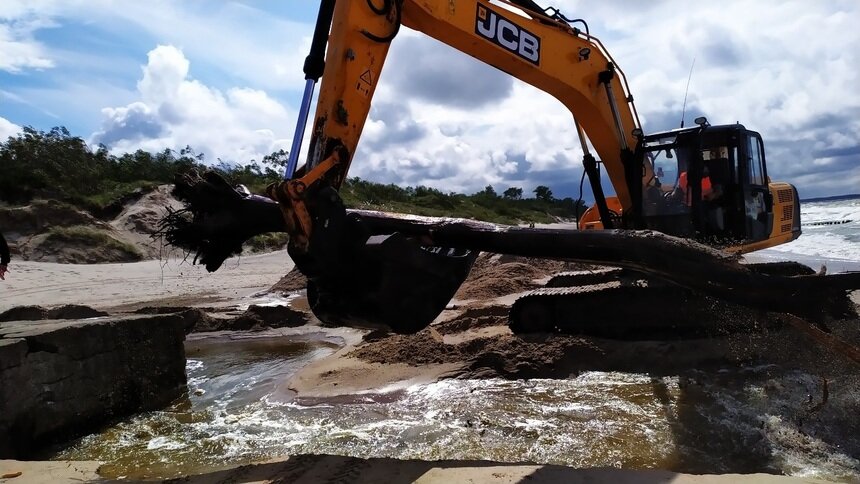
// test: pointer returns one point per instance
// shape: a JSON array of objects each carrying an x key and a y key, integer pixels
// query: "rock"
[
  {"x": 36, "y": 313},
  {"x": 60, "y": 379},
  {"x": 24, "y": 313},
  {"x": 268, "y": 317},
  {"x": 193, "y": 319},
  {"x": 254, "y": 318}
]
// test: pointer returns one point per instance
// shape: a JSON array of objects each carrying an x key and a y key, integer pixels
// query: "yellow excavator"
[
  {"x": 685, "y": 200},
  {"x": 707, "y": 183}
]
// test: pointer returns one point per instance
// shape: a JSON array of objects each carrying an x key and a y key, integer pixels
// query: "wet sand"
[
  {"x": 328, "y": 468},
  {"x": 344, "y": 375},
  {"x": 48, "y": 472},
  {"x": 119, "y": 287}
]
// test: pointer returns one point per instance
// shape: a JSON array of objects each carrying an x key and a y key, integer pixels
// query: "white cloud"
[
  {"x": 176, "y": 110},
  {"x": 7, "y": 129},
  {"x": 786, "y": 69},
  {"x": 18, "y": 50},
  {"x": 245, "y": 42}
]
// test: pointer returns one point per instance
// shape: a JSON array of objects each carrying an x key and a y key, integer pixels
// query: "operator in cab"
[{"x": 707, "y": 187}]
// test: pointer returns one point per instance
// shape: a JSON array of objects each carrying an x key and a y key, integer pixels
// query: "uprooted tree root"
[{"x": 216, "y": 220}]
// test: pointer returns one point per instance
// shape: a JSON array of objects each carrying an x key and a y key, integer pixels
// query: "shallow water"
[
  {"x": 738, "y": 420},
  {"x": 831, "y": 230}
]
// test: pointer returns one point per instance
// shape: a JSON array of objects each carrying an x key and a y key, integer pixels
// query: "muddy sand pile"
[
  {"x": 472, "y": 340},
  {"x": 499, "y": 275}
]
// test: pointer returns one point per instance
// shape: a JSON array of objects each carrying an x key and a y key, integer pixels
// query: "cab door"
[{"x": 757, "y": 200}]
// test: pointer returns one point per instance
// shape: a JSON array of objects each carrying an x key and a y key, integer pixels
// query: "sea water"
[
  {"x": 831, "y": 237},
  {"x": 738, "y": 419}
]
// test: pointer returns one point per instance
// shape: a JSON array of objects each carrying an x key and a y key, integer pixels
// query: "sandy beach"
[{"x": 121, "y": 287}]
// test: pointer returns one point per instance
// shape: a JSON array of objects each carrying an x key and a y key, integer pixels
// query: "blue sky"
[{"x": 225, "y": 78}]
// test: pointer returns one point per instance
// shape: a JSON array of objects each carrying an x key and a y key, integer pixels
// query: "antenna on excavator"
[{"x": 684, "y": 109}]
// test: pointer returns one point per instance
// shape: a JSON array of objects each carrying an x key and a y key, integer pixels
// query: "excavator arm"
[{"x": 545, "y": 52}]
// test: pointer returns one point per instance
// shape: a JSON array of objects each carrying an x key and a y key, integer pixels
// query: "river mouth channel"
[{"x": 734, "y": 420}]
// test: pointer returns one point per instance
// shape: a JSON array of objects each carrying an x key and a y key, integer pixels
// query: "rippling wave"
[{"x": 738, "y": 420}]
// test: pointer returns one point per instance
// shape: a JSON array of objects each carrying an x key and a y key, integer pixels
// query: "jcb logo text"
[{"x": 508, "y": 35}]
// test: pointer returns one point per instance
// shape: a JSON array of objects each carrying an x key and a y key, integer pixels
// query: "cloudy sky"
[{"x": 225, "y": 78}]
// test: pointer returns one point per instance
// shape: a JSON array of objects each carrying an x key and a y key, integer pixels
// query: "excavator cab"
[{"x": 711, "y": 183}]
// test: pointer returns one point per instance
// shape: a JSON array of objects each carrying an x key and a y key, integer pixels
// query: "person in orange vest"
[{"x": 707, "y": 188}]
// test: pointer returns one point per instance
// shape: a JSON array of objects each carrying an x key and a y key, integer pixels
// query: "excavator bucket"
[
  {"x": 392, "y": 282},
  {"x": 388, "y": 280}
]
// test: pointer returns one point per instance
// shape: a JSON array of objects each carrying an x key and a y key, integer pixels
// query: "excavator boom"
[{"x": 548, "y": 54}]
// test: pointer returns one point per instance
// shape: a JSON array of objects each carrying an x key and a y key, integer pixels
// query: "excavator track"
[
  {"x": 623, "y": 304},
  {"x": 590, "y": 277}
]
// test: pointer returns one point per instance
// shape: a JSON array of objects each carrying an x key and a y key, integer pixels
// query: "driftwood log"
[
  {"x": 217, "y": 219},
  {"x": 680, "y": 261}
]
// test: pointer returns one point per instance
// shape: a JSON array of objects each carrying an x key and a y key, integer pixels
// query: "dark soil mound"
[
  {"x": 493, "y": 276},
  {"x": 36, "y": 313},
  {"x": 261, "y": 317},
  {"x": 293, "y": 281},
  {"x": 24, "y": 313},
  {"x": 509, "y": 356},
  {"x": 255, "y": 318},
  {"x": 74, "y": 311}
]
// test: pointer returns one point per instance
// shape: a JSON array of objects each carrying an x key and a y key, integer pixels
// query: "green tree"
[
  {"x": 57, "y": 165},
  {"x": 543, "y": 193},
  {"x": 513, "y": 193},
  {"x": 277, "y": 159}
]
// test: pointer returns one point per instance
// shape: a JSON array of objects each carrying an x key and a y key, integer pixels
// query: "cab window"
[
  {"x": 665, "y": 163},
  {"x": 754, "y": 162}
]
